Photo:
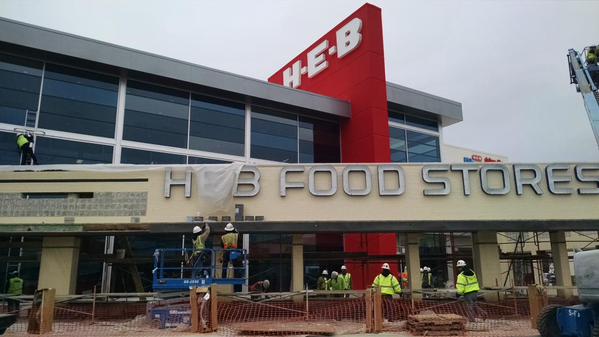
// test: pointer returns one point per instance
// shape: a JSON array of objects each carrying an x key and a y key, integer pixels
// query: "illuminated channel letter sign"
[{"x": 348, "y": 38}]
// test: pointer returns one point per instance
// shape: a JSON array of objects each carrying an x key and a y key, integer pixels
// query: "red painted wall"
[{"x": 358, "y": 77}]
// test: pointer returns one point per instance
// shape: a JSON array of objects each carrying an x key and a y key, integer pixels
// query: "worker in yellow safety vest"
[
  {"x": 389, "y": 286},
  {"x": 231, "y": 254},
  {"x": 199, "y": 252},
  {"x": 346, "y": 277},
  {"x": 15, "y": 288},
  {"x": 467, "y": 287},
  {"x": 25, "y": 146},
  {"x": 336, "y": 282}
]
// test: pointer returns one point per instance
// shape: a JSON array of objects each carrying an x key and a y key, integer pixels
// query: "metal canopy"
[{"x": 27, "y": 35}]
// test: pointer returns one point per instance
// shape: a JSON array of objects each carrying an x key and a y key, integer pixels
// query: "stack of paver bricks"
[{"x": 436, "y": 325}]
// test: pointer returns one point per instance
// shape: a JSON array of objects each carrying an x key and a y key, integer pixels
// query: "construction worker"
[
  {"x": 389, "y": 286},
  {"x": 15, "y": 288},
  {"x": 25, "y": 146},
  {"x": 404, "y": 278},
  {"x": 260, "y": 286},
  {"x": 199, "y": 252},
  {"x": 336, "y": 282},
  {"x": 427, "y": 277},
  {"x": 592, "y": 66},
  {"x": 467, "y": 288},
  {"x": 591, "y": 56},
  {"x": 346, "y": 277},
  {"x": 231, "y": 254},
  {"x": 323, "y": 281}
]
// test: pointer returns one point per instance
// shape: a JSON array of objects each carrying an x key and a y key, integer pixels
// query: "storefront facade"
[{"x": 89, "y": 102}]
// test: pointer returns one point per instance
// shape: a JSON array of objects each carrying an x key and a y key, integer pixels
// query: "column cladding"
[{"x": 359, "y": 78}]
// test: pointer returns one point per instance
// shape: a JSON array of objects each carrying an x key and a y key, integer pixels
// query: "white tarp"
[{"x": 216, "y": 184}]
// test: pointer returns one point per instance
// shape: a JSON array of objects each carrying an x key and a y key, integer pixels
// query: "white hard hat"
[
  {"x": 343, "y": 267},
  {"x": 334, "y": 274},
  {"x": 229, "y": 227},
  {"x": 461, "y": 263},
  {"x": 197, "y": 229},
  {"x": 385, "y": 266},
  {"x": 421, "y": 270},
  {"x": 427, "y": 268},
  {"x": 325, "y": 272}
]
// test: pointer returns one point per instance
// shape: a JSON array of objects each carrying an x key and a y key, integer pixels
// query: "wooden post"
[
  {"x": 47, "y": 310},
  {"x": 378, "y": 311},
  {"x": 307, "y": 306},
  {"x": 41, "y": 316},
  {"x": 537, "y": 300},
  {"x": 195, "y": 311},
  {"x": 368, "y": 300},
  {"x": 213, "y": 309}
]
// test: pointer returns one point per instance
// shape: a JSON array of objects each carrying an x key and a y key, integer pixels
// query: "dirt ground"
[{"x": 488, "y": 328}]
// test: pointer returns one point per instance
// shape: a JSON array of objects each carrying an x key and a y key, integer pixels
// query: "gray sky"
[{"x": 504, "y": 60}]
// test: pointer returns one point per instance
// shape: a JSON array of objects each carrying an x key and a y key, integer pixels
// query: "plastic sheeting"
[{"x": 216, "y": 184}]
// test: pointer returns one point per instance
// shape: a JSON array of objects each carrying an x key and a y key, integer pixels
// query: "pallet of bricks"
[{"x": 436, "y": 324}]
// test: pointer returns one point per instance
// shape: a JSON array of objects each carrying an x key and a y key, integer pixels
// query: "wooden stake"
[
  {"x": 213, "y": 309},
  {"x": 368, "y": 300},
  {"x": 378, "y": 311},
  {"x": 94, "y": 306}
]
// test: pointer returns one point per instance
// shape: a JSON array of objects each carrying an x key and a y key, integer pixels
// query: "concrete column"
[
  {"x": 413, "y": 263},
  {"x": 297, "y": 263},
  {"x": 58, "y": 265},
  {"x": 487, "y": 267},
  {"x": 559, "y": 253}
]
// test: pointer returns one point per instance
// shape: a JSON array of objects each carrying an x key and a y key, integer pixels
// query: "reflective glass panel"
[
  {"x": 78, "y": 101},
  {"x": 20, "y": 81},
  {"x": 396, "y": 116},
  {"x": 199, "y": 160},
  {"x": 423, "y": 148},
  {"x": 156, "y": 115},
  {"x": 217, "y": 125},
  {"x": 422, "y": 122},
  {"x": 132, "y": 156},
  {"x": 274, "y": 135},
  {"x": 9, "y": 154},
  {"x": 398, "y": 145},
  {"x": 318, "y": 141},
  {"x": 57, "y": 151}
]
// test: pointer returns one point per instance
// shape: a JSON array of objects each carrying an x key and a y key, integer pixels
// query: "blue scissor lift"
[{"x": 172, "y": 273}]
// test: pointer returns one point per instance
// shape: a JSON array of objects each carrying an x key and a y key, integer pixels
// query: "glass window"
[
  {"x": 56, "y": 151},
  {"x": 398, "y": 145},
  {"x": 217, "y": 125},
  {"x": 274, "y": 135},
  {"x": 318, "y": 141},
  {"x": 271, "y": 259},
  {"x": 396, "y": 116},
  {"x": 20, "y": 81},
  {"x": 423, "y": 148},
  {"x": 78, "y": 101},
  {"x": 9, "y": 154},
  {"x": 156, "y": 115},
  {"x": 422, "y": 122},
  {"x": 131, "y": 156},
  {"x": 199, "y": 160}
]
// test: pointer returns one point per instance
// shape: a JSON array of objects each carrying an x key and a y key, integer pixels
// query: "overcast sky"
[{"x": 505, "y": 61}]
